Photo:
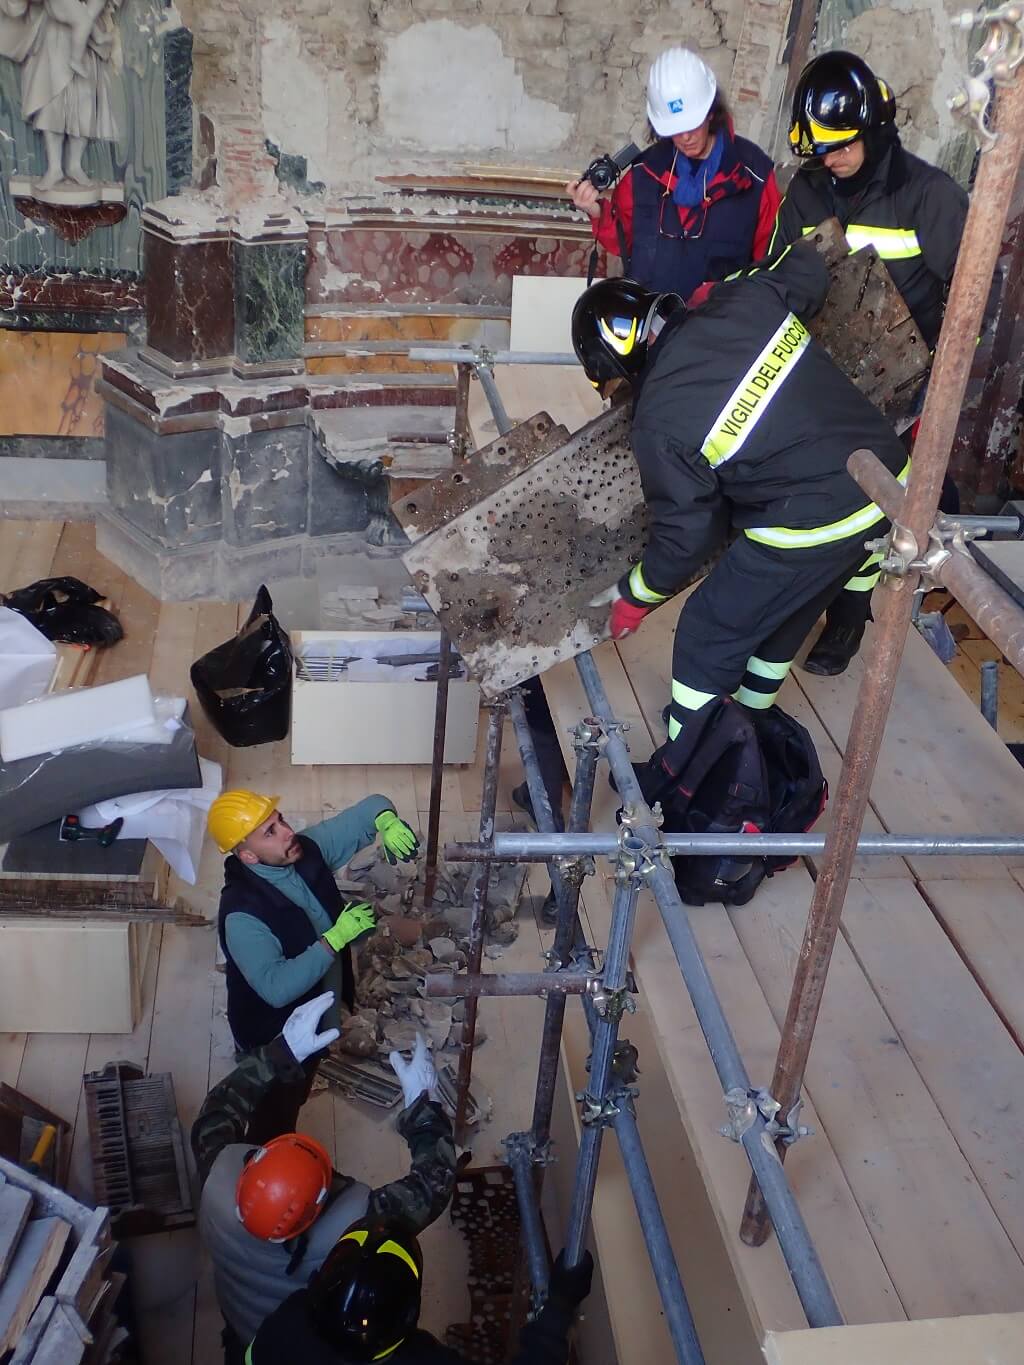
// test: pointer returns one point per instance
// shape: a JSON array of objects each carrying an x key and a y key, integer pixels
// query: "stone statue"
[{"x": 64, "y": 48}]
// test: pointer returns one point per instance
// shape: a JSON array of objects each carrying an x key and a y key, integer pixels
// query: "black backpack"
[{"x": 732, "y": 770}]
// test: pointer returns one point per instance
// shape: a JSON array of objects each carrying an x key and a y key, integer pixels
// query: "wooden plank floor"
[
  {"x": 183, "y": 1028},
  {"x": 911, "y": 1185}
]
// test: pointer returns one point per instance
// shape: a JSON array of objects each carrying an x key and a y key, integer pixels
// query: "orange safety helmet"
[{"x": 282, "y": 1186}]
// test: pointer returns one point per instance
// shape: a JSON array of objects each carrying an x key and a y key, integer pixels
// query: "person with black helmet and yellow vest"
[
  {"x": 742, "y": 426},
  {"x": 912, "y": 213},
  {"x": 285, "y": 929}
]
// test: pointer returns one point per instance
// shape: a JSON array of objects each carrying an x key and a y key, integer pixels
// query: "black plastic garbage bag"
[
  {"x": 65, "y": 609},
  {"x": 245, "y": 684}
]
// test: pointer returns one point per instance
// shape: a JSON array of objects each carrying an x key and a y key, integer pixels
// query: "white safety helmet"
[{"x": 680, "y": 91}]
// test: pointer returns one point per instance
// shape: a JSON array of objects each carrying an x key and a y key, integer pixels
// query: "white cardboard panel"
[{"x": 541, "y": 312}]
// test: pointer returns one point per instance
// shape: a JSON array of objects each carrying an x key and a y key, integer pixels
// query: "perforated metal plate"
[
  {"x": 483, "y": 472},
  {"x": 867, "y": 329},
  {"x": 511, "y": 578}
]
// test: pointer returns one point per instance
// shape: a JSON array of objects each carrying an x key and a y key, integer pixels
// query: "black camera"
[{"x": 605, "y": 170}]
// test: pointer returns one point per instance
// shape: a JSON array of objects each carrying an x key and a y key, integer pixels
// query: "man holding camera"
[{"x": 698, "y": 204}]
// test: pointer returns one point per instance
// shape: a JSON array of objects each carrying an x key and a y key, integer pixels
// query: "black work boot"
[
  {"x": 835, "y": 647},
  {"x": 521, "y": 798}
]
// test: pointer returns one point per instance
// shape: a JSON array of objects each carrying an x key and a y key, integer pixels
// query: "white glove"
[
  {"x": 606, "y": 598},
  {"x": 416, "y": 1076},
  {"x": 300, "y": 1027}
]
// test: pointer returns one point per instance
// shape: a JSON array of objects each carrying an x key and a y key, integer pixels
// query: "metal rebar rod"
[
  {"x": 519, "y": 1148},
  {"x": 556, "y": 985},
  {"x": 893, "y": 603},
  {"x": 990, "y": 692},
  {"x": 488, "y": 802},
  {"x": 525, "y": 848},
  {"x": 461, "y": 440},
  {"x": 809, "y": 1278},
  {"x": 663, "y": 1262},
  {"x": 437, "y": 769},
  {"x": 568, "y": 933},
  {"x": 502, "y": 420},
  {"x": 457, "y": 355},
  {"x": 998, "y": 615},
  {"x": 605, "y": 1036}
]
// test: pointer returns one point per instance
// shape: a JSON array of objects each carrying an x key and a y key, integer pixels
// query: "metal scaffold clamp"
[
  {"x": 573, "y": 870},
  {"x": 524, "y": 1144},
  {"x": 637, "y": 857},
  {"x": 603, "y": 1112},
  {"x": 902, "y": 554},
  {"x": 743, "y": 1108},
  {"x": 586, "y": 734},
  {"x": 612, "y": 1004},
  {"x": 999, "y": 56}
]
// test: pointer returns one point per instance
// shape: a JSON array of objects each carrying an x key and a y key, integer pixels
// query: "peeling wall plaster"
[{"x": 360, "y": 86}]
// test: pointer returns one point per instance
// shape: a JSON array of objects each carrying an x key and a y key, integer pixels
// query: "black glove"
[{"x": 571, "y": 1285}]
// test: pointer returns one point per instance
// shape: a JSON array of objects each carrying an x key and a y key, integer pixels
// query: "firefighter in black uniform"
[
  {"x": 741, "y": 423},
  {"x": 912, "y": 213}
]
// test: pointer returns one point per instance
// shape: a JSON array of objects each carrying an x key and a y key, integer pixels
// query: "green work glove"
[
  {"x": 397, "y": 838},
  {"x": 357, "y": 918}
]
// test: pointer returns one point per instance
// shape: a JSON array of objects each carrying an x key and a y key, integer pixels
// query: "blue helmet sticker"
[{"x": 675, "y": 106}]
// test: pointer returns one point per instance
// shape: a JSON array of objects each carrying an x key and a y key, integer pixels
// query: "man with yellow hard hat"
[{"x": 284, "y": 926}]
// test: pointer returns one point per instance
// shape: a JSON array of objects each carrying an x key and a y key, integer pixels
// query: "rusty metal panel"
[
  {"x": 866, "y": 327},
  {"x": 511, "y": 577},
  {"x": 480, "y": 473}
]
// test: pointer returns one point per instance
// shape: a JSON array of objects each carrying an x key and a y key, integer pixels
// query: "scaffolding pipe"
[
  {"x": 555, "y": 985},
  {"x": 444, "y": 668},
  {"x": 995, "y": 611},
  {"x": 568, "y": 933},
  {"x": 809, "y": 1278},
  {"x": 536, "y": 848},
  {"x": 659, "y": 1248},
  {"x": 893, "y": 603},
  {"x": 461, "y": 355},
  {"x": 605, "y": 1037},
  {"x": 488, "y": 803},
  {"x": 519, "y": 1150},
  {"x": 990, "y": 692},
  {"x": 502, "y": 420}
]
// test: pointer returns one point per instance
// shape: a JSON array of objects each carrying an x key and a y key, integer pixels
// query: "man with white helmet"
[{"x": 700, "y": 203}]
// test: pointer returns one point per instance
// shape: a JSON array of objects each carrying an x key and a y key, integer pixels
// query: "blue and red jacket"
[{"x": 673, "y": 248}]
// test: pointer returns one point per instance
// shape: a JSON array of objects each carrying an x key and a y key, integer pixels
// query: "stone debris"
[{"x": 408, "y": 945}]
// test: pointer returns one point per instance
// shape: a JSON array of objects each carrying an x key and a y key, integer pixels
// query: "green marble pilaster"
[{"x": 270, "y": 298}]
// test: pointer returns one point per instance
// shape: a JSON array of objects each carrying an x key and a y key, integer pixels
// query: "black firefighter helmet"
[
  {"x": 837, "y": 100},
  {"x": 613, "y": 324},
  {"x": 365, "y": 1298}
]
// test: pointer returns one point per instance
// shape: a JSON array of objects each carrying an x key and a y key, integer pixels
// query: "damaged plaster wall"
[{"x": 345, "y": 91}]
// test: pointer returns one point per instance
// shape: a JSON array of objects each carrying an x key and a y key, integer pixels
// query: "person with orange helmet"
[
  {"x": 285, "y": 928},
  {"x": 270, "y": 1214}
]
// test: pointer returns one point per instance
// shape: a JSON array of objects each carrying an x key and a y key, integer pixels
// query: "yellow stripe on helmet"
[
  {"x": 393, "y": 1249},
  {"x": 818, "y": 133},
  {"x": 621, "y": 344}
]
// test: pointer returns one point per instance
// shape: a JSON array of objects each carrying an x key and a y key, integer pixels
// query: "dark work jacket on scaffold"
[
  {"x": 288, "y": 1337},
  {"x": 743, "y": 422},
  {"x": 731, "y": 228},
  {"x": 912, "y": 213},
  {"x": 253, "y": 1021}
]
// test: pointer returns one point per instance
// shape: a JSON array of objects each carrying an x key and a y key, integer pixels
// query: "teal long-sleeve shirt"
[{"x": 257, "y": 952}]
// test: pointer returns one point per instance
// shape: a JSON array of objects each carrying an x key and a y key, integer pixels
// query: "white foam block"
[{"x": 111, "y": 711}]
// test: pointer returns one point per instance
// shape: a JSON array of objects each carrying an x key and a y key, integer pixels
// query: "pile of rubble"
[{"x": 411, "y": 943}]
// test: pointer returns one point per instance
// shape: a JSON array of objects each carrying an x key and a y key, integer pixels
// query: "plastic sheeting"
[
  {"x": 27, "y": 660},
  {"x": 173, "y": 820}
]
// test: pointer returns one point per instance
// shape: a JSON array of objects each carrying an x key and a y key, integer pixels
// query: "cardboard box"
[{"x": 346, "y": 708}]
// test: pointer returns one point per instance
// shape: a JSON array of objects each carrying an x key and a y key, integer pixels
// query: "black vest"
[
  {"x": 253, "y": 1022},
  {"x": 287, "y": 1338},
  {"x": 723, "y": 234}
]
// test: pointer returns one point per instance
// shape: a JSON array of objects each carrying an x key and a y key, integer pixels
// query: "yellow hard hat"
[{"x": 235, "y": 814}]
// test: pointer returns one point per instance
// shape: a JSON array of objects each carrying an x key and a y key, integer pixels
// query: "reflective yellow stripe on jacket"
[
  {"x": 638, "y": 587},
  {"x": 750, "y": 399},
  {"x": 788, "y": 538},
  {"x": 892, "y": 244}
]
